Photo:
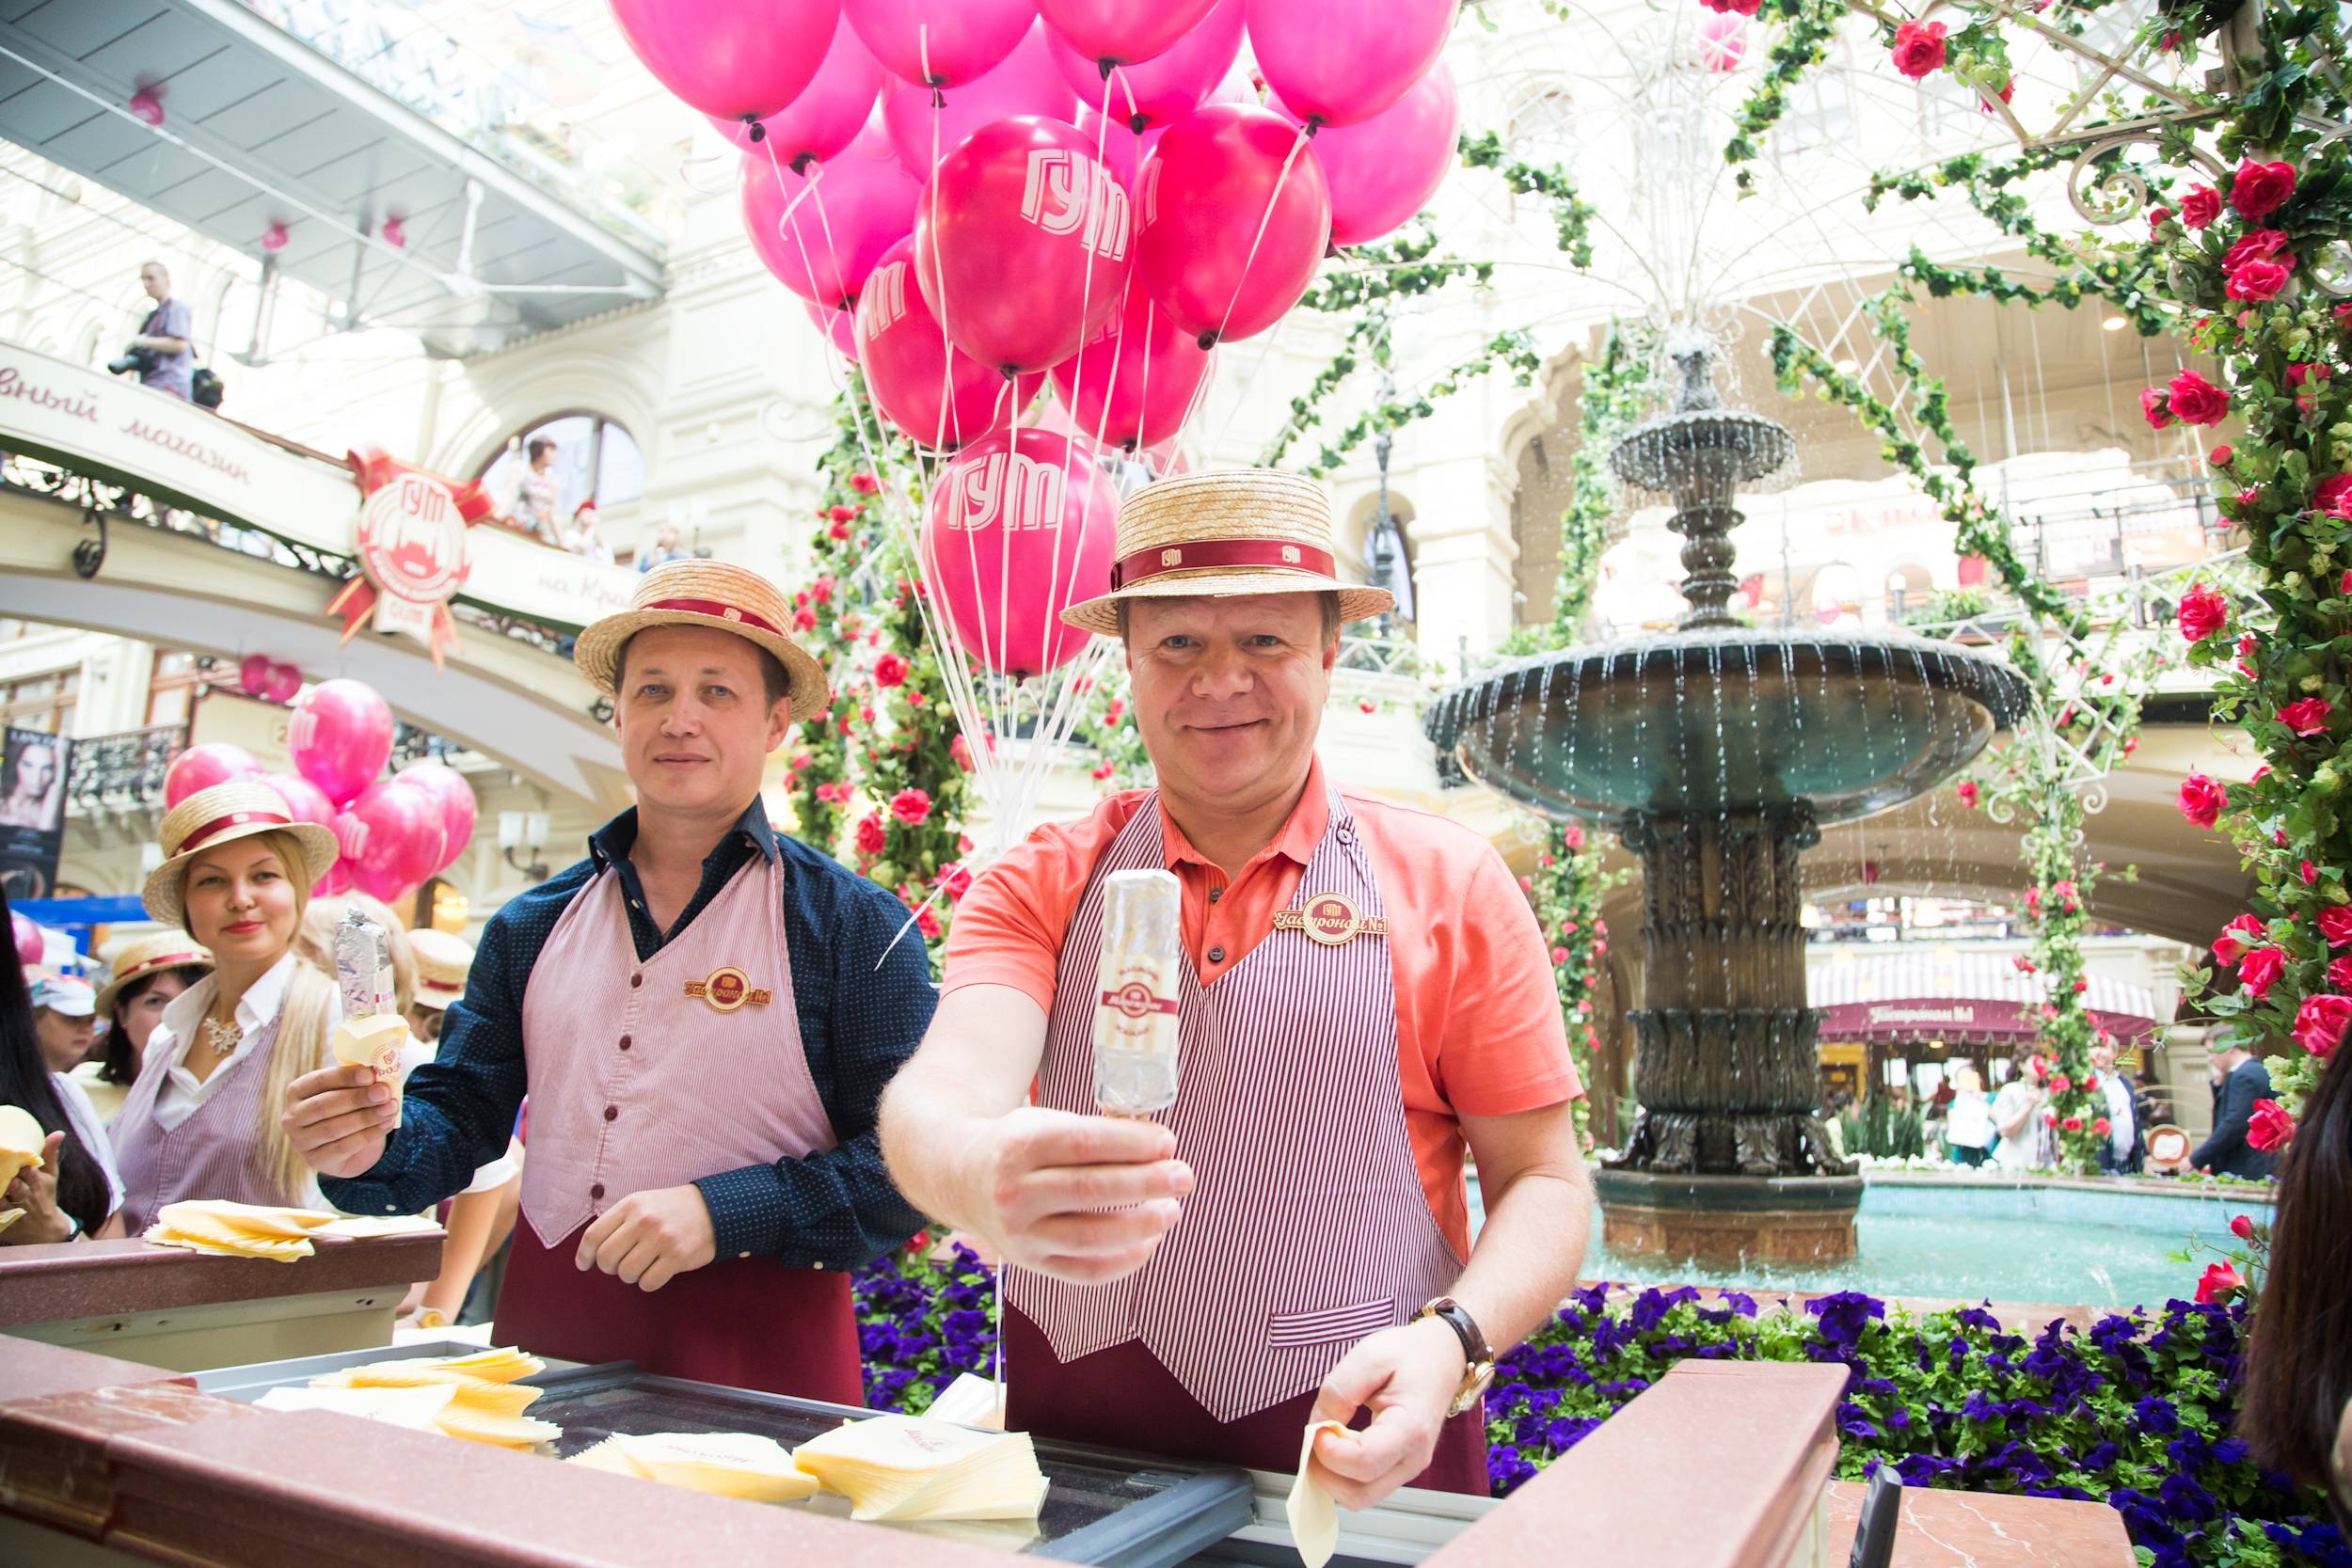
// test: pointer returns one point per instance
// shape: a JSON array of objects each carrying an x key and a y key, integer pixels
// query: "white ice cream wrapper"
[{"x": 1135, "y": 1011}]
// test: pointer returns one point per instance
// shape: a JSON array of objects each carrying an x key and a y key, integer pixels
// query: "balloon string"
[{"x": 1265, "y": 219}]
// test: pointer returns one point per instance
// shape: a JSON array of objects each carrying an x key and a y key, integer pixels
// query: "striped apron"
[
  {"x": 215, "y": 1152},
  {"x": 1307, "y": 1228},
  {"x": 639, "y": 1083}
]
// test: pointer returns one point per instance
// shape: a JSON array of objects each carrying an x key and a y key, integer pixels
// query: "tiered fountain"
[{"x": 1718, "y": 751}]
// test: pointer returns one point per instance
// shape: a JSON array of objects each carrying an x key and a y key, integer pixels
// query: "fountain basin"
[
  {"x": 1729, "y": 1222},
  {"x": 1707, "y": 721}
]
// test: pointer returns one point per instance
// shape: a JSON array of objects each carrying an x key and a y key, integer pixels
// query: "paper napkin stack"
[
  {"x": 905, "y": 1468},
  {"x": 237, "y": 1230},
  {"x": 474, "y": 1396},
  {"x": 726, "y": 1463}
]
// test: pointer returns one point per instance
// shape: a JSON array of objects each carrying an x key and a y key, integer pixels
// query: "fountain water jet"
[{"x": 1718, "y": 793}]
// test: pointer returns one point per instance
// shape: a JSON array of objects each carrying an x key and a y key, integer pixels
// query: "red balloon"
[
  {"x": 921, "y": 119},
  {"x": 827, "y": 116},
  {"x": 1123, "y": 31},
  {"x": 1020, "y": 243},
  {"x": 737, "y": 59},
  {"x": 201, "y": 767},
  {"x": 940, "y": 44},
  {"x": 455, "y": 799},
  {"x": 253, "y": 674},
  {"x": 838, "y": 325},
  {"x": 1164, "y": 88},
  {"x": 393, "y": 837},
  {"x": 821, "y": 234},
  {"x": 939, "y": 395},
  {"x": 340, "y": 736},
  {"x": 1338, "y": 61},
  {"x": 1235, "y": 218},
  {"x": 1019, "y": 529},
  {"x": 305, "y": 800},
  {"x": 284, "y": 683},
  {"x": 25, "y": 930},
  {"x": 1134, "y": 384},
  {"x": 1383, "y": 170}
]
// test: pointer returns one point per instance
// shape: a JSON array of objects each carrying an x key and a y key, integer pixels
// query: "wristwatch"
[{"x": 1480, "y": 1369}]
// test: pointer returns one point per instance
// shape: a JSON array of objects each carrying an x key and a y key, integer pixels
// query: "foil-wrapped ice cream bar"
[
  {"x": 1135, "y": 1017},
  {"x": 364, "y": 964}
]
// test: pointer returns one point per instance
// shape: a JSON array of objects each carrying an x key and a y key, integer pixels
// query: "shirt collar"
[
  {"x": 610, "y": 844},
  {"x": 262, "y": 998},
  {"x": 1298, "y": 841}
]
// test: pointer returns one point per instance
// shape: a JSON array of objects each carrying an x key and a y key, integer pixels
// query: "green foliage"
[
  {"x": 1571, "y": 214},
  {"x": 1877, "y": 1129},
  {"x": 1802, "y": 43}
]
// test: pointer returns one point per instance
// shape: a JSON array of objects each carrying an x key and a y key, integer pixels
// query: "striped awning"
[{"x": 1955, "y": 995}]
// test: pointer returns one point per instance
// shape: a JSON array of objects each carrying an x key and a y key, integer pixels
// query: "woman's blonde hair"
[{"x": 302, "y": 1044}]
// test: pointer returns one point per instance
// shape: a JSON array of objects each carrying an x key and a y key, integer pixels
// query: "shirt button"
[
  {"x": 611, "y": 1113},
  {"x": 595, "y": 1193},
  {"x": 1215, "y": 894},
  {"x": 1217, "y": 955},
  {"x": 625, "y": 1039},
  {"x": 636, "y": 981},
  {"x": 818, "y": 1264},
  {"x": 746, "y": 1253}
]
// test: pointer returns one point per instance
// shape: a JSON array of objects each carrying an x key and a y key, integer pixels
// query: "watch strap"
[{"x": 1478, "y": 1358}]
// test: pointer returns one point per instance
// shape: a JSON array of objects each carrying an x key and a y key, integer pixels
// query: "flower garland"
[{"x": 1571, "y": 214}]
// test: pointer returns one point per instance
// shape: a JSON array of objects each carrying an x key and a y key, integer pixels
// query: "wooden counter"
[{"x": 188, "y": 1311}]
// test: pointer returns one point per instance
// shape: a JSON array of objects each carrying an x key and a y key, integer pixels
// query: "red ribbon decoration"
[
  {"x": 732, "y": 613},
  {"x": 1209, "y": 553},
  {"x": 234, "y": 820}
]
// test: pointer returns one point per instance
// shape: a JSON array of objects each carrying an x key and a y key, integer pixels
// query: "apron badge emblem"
[
  {"x": 727, "y": 990},
  {"x": 1331, "y": 920}
]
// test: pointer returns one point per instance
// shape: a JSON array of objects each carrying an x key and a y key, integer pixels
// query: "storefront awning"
[{"x": 1957, "y": 997}]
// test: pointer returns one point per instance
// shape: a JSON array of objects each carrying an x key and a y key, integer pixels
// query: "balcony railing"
[{"x": 125, "y": 770}]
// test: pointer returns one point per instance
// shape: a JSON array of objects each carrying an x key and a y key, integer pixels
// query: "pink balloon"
[
  {"x": 338, "y": 878},
  {"x": 1133, "y": 386},
  {"x": 1020, "y": 243},
  {"x": 253, "y": 674},
  {"x": 455, "y": 799},
  {"x": 1018, "y": 529},
  {"x": 1234, "y": 225},
  {"x": 284, "y": 681},
  {"x": 1024, "y": 83},
  {"x": 1125, "y": 31},
  {"x": 1338, "y": 61},
  {"x": 839, "y": 327},
  {"x": 936, "y": 393},
  {"x": 392, "y": 836},
  {"x": 1163, "y": 88},
  {"x": 1723, "y": 43},
  {"x": 940, "y": 44},
  {"x": 305, "y": 800},
  {"x": 821, "y": 234},
  {"x": 340, "y": 736},
  {"x": 25, "y": 931},
  {"x": 828, "y": 113},
  {"x": 1383, "y": 170},
  {"x": 737, "y": 59},
  {"x": 1123, "y": 152},
  {"x": 201, "y": 767}
]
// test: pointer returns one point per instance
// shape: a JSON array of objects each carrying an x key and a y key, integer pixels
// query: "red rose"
[
  {"x": 2060, "y": 1083},
  {"x": 2335, "y": 924},
  {"x": 2201, "y": 206},
  {"x": 956, "y": 880},
  {"x": 2023, "y": 964},
  {"x": 912, "y": 807},
  {"x": 2248, "y": 498},
  {"x": 2242, "y": 1227},
  {"x": 871, "y": 836},
  {"x": 2319, "y": 1024},
  {"x": 2259, "y": 970},
  {"x": 1559, "y": 956},
  {"x": 2238, "y": 938},
  {"x": 2257, "y": 190},
  {"x": 2261, "y": 246},
  {"x": 2306, "y": 717},
  {"x": 2270, "y": 1128},
  {"x": 2049, "y": 1118},
  {"x": 838, "y": 530},
  {"x": 2157, "y": 218},
  {"x": 2335, "y": 495},
  {"x": 890, "y": 669},
  {"x": 1734, "y": 8},
  {"x": 2310, "y": 874},
  {"x": 805, "y": 620},
  {"x": 2259, "y": 280},
  {"x": 926, "y": 921},
  {"x": 2298, "y": 375},
  {"x": 2219, "y": 457},
  {"x": 865, "y": 483},
  {"x": 2201, "y": 799},
  {"x": 1968, "y": 792},
  {"x": 2340, "y": 972},
  {"x": 1573, "y": 836},
  {"x": 1919, "y": 50},
  {"x": 2202, "y": 612},
  {"x": 2102, "y": 1127},
  {"x": 841, "y": 514},
  {"x": 2220, "y": 1282},
  {"x": 2193, "y": 400},
  {"x": 2073, "y": 1124},
  {"x": 2152, "y": 407},
  {"x": 2246, "y": 652}
]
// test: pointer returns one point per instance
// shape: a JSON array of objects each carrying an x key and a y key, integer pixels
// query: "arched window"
[{"x": 594, "y": 459}]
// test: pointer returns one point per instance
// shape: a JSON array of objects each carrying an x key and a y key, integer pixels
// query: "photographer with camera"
[{"x": 161, "y": 356}]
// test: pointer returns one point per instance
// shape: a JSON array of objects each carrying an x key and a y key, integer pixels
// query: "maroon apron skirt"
[
  {"x": 744, "y": 1323},
  {"x": 1123, "y": 1398}
]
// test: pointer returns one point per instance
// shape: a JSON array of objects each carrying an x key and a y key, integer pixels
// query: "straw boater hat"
[
  {"x": 704, "y": 593},
  {"x": 1240, "y": 531},
  {"x": 217, "y": 816},
  {"x": 146, "y": 956},
  {"x": 442, "y": 961}
]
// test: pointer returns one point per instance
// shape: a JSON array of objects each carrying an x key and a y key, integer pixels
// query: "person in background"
[
  {"x": 167, "y": 339},
  {"x": 2120, "y": 1154},
  {"x": 536, "y": 502},
  {"x": 2297, "y": 1410},
  {"x": 2244, "y": 1079},
  {"x": 76, "y": 1192},
  {"x": 662, "y": 550},
  {"x": 62, "y": 1004},
  {"x": 2017, "y": 1115},
  {"x": 202, "y": 1122},
  {"x": 480, "y": 1222},
  {"x": 147, "y": 974},
  {"x": 1969, "y": 1119},
  {"x": 442, "y": 962},
  {"x": 581, "y": 537}
]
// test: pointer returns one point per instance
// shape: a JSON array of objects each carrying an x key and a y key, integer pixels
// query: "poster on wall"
[{"x": 33, "y": 766}]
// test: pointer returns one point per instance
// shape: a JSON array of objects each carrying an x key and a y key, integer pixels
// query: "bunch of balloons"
[
  {"x": 394, "y": 832},
  {"x": 260, "y": 675}
]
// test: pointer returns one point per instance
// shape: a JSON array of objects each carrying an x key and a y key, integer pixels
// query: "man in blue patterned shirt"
[{"x": 704, "y": 1013}]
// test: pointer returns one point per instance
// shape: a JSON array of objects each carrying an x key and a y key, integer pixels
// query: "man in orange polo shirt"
[{"x": 1290, "y": 1243}]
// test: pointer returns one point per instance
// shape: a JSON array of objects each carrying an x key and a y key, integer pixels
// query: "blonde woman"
[{"x": 203, "y": 1120}]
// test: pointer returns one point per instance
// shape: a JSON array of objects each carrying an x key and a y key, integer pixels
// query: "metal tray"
[{"x": 1123, "y": 1510}]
